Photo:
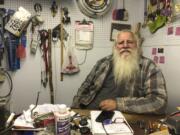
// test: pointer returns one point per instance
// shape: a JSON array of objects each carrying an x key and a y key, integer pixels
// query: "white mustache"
[{"x": 125, "y": 50}]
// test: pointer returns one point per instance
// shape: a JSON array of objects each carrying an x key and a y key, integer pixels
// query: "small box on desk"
[{"x": 118, "y": 126}]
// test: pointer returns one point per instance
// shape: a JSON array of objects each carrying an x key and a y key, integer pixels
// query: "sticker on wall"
[
  {"x": 160, "y": 50},
  {"x": 177, "y": 31},
  {"x": 94, "y": 8},
  {"x": 154, "y": 51},
  {"x": 170, "y": 31},
  {"x": 158, "y": 55},
  {"x": 162, "y": 59}
]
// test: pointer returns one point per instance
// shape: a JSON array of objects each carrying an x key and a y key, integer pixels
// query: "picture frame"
[{"x": 115, "y": 27}]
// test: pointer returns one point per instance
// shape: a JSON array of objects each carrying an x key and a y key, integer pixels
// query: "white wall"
[
  {"x": 171, "y": 70},
  {"x": 27, "y": 79}
]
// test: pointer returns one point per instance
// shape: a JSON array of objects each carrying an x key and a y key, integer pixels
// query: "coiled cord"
[{"x": 10, "y": 84}]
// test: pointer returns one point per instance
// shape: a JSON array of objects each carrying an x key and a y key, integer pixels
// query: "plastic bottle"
[{"x": 62, "y": 121}]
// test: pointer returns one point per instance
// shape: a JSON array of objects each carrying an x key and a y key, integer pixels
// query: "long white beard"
[{"x": 125, "y": 68}]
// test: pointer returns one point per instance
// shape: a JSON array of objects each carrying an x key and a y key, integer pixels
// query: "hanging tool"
[
  {"x": 36, "y": 19},
  {"x": 138, "y": 34},
  {"x": 12, "y": 42},
  {"x": 66, "y": 18},
  {"x": 50, "y": 68},
  {"x": 44, "y": 49},
  {"x": 62, "y": 41},
  {"x": 145, "y": 14},
  {"x": 54, "y": 8},
  {"x": 56, "y": 33},
  {"x": 37, "y": 7}
]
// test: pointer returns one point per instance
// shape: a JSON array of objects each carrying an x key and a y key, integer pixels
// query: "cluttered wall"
[
  {"x": 29, "y": 77},
  {"x": 79, "y": 38}
]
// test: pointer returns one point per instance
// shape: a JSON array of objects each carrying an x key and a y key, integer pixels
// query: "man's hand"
[{"x": 108, "y": 104}]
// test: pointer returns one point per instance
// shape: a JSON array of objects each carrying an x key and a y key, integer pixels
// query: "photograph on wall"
[{"x": 115, "y": 27}]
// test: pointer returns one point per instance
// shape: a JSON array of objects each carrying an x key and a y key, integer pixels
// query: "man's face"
[
  {"x": 125, "y": 58},
  {"x": 125, "y": 44}
]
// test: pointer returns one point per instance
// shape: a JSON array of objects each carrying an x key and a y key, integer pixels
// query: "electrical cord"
[
  {"x": 84, "y": 59},
  {"x": 6, "y": 98},
  {"x": 3, "y": 132},
  {"x": 103, "y": 125},
  {"x": 10, "y": 83},
  {"x": 37, "y": 99}
]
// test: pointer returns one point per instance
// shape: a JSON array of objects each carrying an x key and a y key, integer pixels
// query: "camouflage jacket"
[{"x": 146, "y": 94}]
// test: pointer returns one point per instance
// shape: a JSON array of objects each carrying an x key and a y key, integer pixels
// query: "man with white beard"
[{"x": 125, "y": 81}]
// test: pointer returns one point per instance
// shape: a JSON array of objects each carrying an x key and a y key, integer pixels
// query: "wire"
[
  {"x": 84, "y": 59},
  {"x": 37, "y": 99},
  {"x": 10, "y": 83},
  {"x": 103, "y": 125}
]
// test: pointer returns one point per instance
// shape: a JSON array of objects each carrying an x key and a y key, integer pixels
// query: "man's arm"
[
  {"x": 155, "y": 98},
  {"x": 84, "y": 89}
]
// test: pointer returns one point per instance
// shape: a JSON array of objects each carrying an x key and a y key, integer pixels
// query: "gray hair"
[
  {"x": 129, "y": 31},
  {"x": 134, "y": 36}
]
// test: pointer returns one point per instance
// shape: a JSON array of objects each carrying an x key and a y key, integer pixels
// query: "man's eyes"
[
  {"x": 130, "y": 42},
  {"x": 120, "y": 43},
  {"x": 127, "y": 42}
]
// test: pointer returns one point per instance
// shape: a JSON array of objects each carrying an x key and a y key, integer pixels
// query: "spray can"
[{"x": 62, "y": 120}]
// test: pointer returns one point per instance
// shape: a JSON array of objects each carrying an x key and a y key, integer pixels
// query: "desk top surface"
[
  {"x": 129, "y": 117},
  {"x": 132, "y": 119}
]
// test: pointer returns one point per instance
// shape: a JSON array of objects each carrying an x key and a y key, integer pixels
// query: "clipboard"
[{"x": 84, "y": 34}]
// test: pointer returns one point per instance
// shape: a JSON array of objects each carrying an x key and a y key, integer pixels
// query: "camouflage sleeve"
[
  {"x": 154, "y": 100},
  {"x": 84, "y": 88}
]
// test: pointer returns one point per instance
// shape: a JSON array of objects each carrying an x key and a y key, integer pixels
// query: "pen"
[{"x": 29, "y": 129}]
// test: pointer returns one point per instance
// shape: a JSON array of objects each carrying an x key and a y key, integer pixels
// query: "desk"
[{"x": 131, "y": 118}]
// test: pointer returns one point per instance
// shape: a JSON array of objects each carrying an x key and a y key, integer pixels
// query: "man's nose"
[{"x": 125, "y": 45}]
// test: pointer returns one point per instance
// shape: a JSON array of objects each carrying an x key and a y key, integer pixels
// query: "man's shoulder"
[
  {"x": 146, "y": 59},
  {"x": 147, "y": 62},
  {"x": 106, "y": 58}
]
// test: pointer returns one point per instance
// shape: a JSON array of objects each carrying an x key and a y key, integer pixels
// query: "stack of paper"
[{"x": 119, "y": 125}]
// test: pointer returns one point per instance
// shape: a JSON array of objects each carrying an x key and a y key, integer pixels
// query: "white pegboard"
[
  {"x": 160, "y": 37},
  {"x": 27, "y": 79},
  {"x": 102, "y": 25}
]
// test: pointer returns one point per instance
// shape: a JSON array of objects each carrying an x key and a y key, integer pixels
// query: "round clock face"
[{"x": 94, "y": 8}]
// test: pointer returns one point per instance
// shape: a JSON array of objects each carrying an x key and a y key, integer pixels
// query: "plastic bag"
[
  {"x": 70, "y": 64},
  {"x": 18, "y": 22}
]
